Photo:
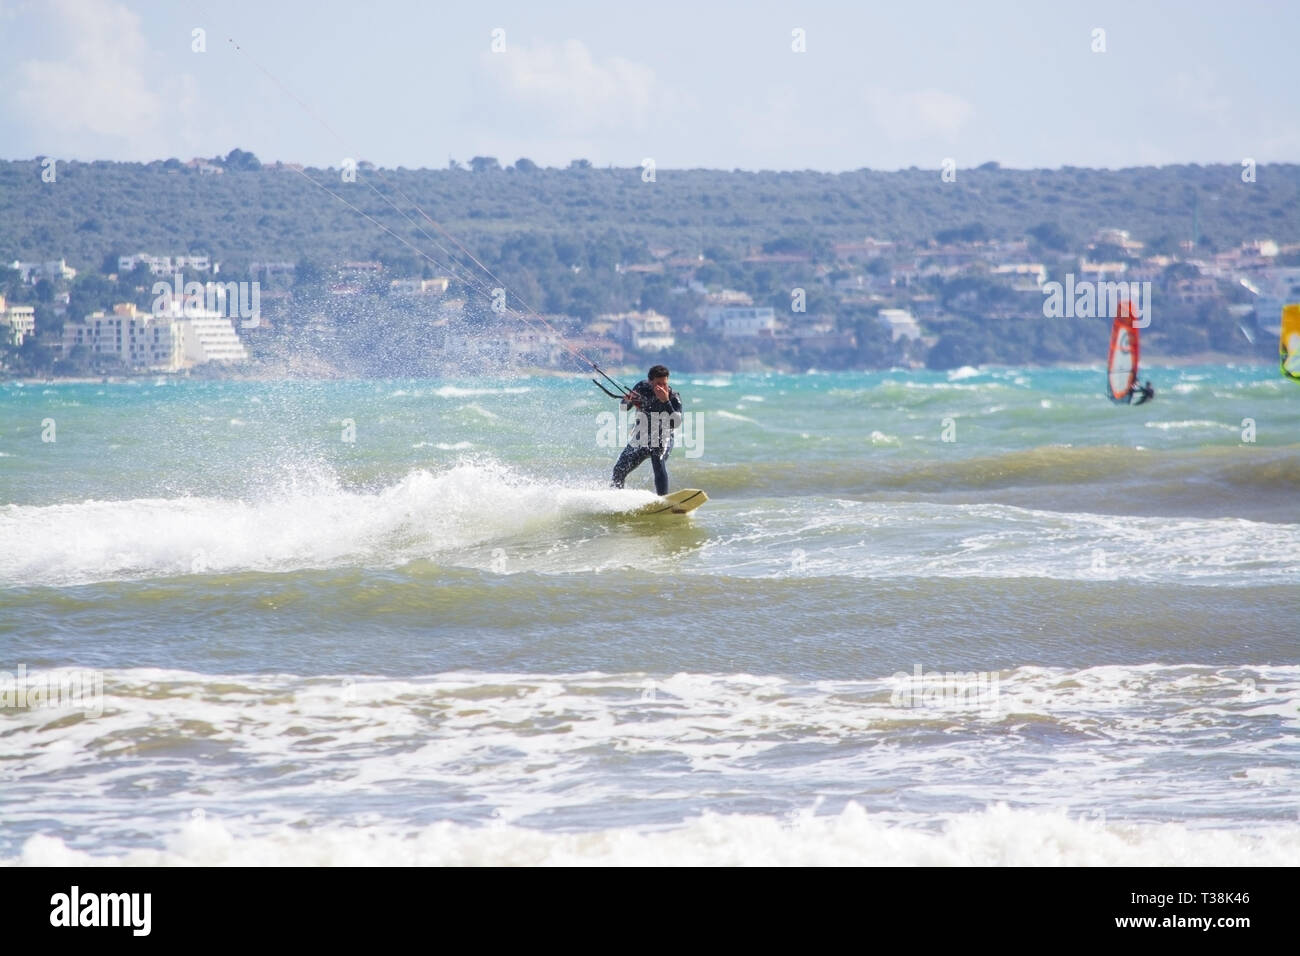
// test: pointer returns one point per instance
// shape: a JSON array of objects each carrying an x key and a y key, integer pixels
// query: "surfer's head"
[{"x": 657, "y": 372}]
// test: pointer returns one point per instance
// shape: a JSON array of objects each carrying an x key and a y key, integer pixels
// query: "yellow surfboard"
[{"x": 677, "y": 503}]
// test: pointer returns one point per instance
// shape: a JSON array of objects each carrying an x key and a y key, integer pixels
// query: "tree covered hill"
[{"x": 587, "y": 216}]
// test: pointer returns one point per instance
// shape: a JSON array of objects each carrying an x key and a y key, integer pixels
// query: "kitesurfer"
[{"x": 659, "y": 412}]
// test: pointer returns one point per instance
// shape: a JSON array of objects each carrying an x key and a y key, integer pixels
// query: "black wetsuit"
[
  {"x": 1142, "y": 394},
  {"x": 652, "y": 436}
]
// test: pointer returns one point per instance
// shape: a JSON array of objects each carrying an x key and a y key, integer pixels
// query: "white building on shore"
[
  {"x": 1027, "y": 275},
  {"x": 160, "y": 343},
  {"x": 52, "y": 269},
  {"x": 643, "y": 331},
  {"x": 136, "y": 339},
  {"x": 166, "y": 265},
  {"x": 210, "y": 337},
  {"x": 411, "y": 287},
  {"x": 1274, "y": 288},
  {"x": 901, "y": 324},
  {"x": 739, "y": 321},
  {"x": 16, "y": 322},
  {"x": 282, "y": 269}
]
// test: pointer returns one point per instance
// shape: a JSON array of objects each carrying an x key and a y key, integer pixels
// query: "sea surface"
[{"x": 975, "y": 617}]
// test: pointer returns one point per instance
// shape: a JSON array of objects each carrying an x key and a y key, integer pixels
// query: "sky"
[{"x": 703, "y": 84}]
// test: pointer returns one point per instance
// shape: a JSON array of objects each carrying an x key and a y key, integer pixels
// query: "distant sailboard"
[
  {"x": 677, "y": 503},
  {"x": 1289, "y": 344},
  {"x": 1122, "y": 362}
]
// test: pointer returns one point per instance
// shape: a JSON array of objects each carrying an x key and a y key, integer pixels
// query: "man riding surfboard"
[{"x": 659, "y": 412}]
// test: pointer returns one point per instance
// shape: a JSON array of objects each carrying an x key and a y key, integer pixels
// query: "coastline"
[{"x": 268, "y": 375}]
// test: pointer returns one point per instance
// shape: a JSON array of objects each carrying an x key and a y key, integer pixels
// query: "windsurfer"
[{"x": 1142, "y": 393}]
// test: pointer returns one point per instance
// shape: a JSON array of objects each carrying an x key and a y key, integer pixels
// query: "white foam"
[
  {"x": 457, "y": 391},
  {"x": 948, "y": 386},
  {"x": 308, "y": 522},
  {"x": 530, "y": 744},
  {"x": 525, "y": 747},
  {"x": 853, "y": 837},
  {"x": 1191, "y": 423},
  {"x": 723, "y": 413},
  {"x": 878, "y": 540}
]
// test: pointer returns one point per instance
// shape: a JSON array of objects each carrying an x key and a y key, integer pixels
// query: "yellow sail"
[{"x": 1289, "y": 346}]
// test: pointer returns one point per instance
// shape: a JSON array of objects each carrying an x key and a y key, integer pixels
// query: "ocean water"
[{"x": 982, "y": 616}]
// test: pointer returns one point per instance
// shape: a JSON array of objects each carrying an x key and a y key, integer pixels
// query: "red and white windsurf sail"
[{"x": 1122, "y": 362}]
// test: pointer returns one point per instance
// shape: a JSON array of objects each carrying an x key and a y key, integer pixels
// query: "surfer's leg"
[
  {"x": 632, "y": 457},
  {"x": 660, "y": 464}
]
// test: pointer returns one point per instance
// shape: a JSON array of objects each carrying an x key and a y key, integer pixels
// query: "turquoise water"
[{"x": 405, "y": 620}]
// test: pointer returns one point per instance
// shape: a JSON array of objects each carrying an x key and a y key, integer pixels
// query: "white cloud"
[
  {"x": 100, "y": 85},
  {"x": 572, "y": 91},
  {"x": 920, "y": 114},
  {"x": 109, "y": 92}
]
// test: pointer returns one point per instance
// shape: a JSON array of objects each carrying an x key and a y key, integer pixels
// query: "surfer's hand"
[
  {"x": 661, "y": 392},
  {"x": 632, "y": 398}
]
